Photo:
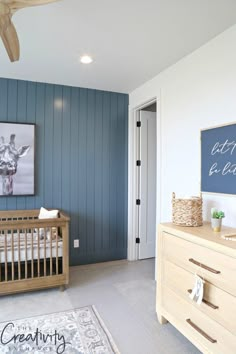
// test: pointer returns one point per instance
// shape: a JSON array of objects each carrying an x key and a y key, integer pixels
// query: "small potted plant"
[{"x": 216, "y": 219}]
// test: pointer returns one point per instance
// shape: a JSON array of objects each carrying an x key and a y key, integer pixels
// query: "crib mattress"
[{"x": 25, "y": 247}]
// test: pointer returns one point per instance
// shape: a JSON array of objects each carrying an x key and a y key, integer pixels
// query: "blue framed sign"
[{"x": 218, "y": 159}]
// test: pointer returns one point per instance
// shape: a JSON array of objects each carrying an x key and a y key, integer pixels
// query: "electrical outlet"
[{"x": 76, "y": 243}]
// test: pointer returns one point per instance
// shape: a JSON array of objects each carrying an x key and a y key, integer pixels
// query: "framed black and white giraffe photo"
[{"x": 17, "y": 159}]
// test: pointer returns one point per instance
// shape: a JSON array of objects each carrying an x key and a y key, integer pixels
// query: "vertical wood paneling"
[
  {"x": 121, "y": 142},
  {"x": 66, "y": 149},
  {"x": 82, "y": 136},
  {"x": 81, "y": 161},
  {"x": 21, "y": 117},
  {"x": 57, "y": 147},
  {"x": 98, "y": 170},
  {"x": 48, "y": 144},
  {"x": 40, "y": 148},
  {"x": 30, "y": 117},
  {"x": 90, "y": 172},
  {"x": 12, "y": 117},
  {"x": 113, "y": 171},
  {"x": 106, "y": 171},
  {"x": 74, "y": 175}
]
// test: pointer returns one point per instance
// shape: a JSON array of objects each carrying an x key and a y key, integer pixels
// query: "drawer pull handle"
[
  {"x": 214, "y": 307},
  {"x": 199, "y": 330},
  {"x": 204, "y": 266}
]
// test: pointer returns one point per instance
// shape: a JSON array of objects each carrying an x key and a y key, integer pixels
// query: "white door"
[{"x": 147, "y": 185}]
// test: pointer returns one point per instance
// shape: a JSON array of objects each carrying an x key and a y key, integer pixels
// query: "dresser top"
[{"x": 204, "y": 235}]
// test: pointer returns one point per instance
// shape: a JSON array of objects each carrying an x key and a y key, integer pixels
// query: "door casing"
[{"x": 133, "y": 175}]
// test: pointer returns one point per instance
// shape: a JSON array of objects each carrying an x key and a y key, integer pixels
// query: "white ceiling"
[{"x": 130, "y": 40}]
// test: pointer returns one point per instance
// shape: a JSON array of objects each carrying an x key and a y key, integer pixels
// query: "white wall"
[{"x": 197, "y": 92}]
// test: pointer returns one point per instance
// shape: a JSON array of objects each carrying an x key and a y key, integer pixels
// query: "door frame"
[{"x": 132, "y": 174}]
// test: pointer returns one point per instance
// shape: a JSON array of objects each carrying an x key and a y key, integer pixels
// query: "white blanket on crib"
[{"x": 25, "y": 240}]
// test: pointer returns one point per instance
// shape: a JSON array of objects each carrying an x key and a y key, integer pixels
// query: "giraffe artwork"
[{"x": 16, "y": 161}]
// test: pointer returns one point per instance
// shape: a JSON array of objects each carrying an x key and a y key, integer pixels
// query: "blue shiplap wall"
[{"x": 81, "y": 161}]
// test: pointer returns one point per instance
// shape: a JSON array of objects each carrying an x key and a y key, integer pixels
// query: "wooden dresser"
[{"x": 181, "y": 253}]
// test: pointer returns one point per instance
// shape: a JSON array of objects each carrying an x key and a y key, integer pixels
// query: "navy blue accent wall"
[{"x": 81, "y": 161}]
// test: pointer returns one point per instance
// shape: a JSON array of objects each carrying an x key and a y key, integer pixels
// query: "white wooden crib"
[{"x": 33, "y": 252}]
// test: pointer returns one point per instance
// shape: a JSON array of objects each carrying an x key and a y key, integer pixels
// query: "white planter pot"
[{"x": 216, "y": 224}]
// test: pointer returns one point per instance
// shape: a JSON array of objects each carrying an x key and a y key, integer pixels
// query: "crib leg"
[{"x": 62, "y": 288}]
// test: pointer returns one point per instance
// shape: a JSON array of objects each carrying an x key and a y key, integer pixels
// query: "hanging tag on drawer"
[{"x": 198, "y": 290}]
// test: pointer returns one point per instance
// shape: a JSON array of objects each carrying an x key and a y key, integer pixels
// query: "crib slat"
[
  {"x": 32, "y": 255},
  {"x": 50, "y": 233},
  {"x": 26, "y": 267},
  {"x": 19, "y": 261},
  {"x": 5, "y": 250},
  {"x": 45, "y": 236},
  {"x": 12, "y": 256},
  {"x": 38, "y": 253},
  {"x": 57, "y": 251}
]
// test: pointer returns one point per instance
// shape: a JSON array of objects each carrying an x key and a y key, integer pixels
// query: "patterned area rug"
[{"x": 78, "y": 331}]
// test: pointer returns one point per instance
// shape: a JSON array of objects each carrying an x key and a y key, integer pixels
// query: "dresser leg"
[{"x": 161, "y": 319}]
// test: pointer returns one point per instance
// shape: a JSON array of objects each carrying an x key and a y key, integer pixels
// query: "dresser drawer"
[
  {"x": 216, "y": 268},
  {"x": 218, "y": 304},
  {"x": 207, "y": 334}
]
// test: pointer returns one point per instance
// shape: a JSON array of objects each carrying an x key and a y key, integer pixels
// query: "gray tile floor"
[{"x": 123, "y": 293}]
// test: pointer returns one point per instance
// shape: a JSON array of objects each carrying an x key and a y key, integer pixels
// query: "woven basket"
[{"x": 187, "y": 212}]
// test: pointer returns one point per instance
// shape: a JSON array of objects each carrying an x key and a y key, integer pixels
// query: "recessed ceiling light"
[{"x": 86, "y": 59}]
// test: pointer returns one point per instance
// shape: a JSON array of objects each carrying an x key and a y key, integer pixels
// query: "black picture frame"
[{"x": 17, "y": 159}]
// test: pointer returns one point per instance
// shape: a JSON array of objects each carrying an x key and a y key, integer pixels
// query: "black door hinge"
[
  {"x": 137, "y": 240},
  {"x": 139, "y": 124},
  {"x": 138, "y": 162},
  {"x": 138, "y": 201}
]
